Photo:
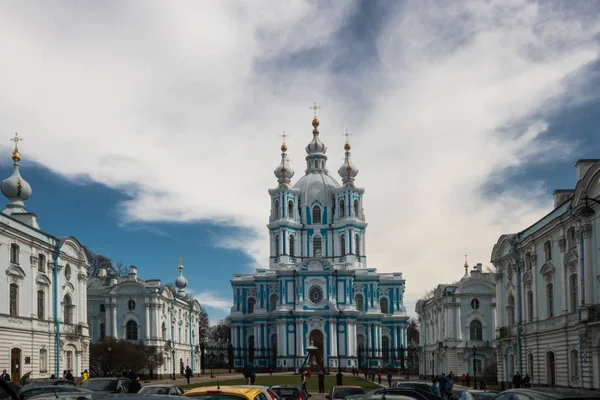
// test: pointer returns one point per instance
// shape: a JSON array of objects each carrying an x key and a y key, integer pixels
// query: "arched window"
[
  {"x": 527, "y": 261},
  {"x": 251, "y": 303},
  {"x": 68, "y": 272},
  {"x": 342, "y": 208},
  {"x": 14, "y": 299},
  {"x": 317, "y": 246},
  {"x": 131, "y": 330},
  {"x": 356, "y": 208},
  {"x": 273, "y": 302},
  {"x": 343, "y": 245},
  {"x": 179, "y": 335},
  {"x": 316, "y": 215},
  {"x": 291, "y": 209},
  {"x": 548, "y": 250},
  {"x": 510, "y": 310},
  {"x": 476, "y": 330},
  {"x": 277, "y": 246},
  {"x": 573, "y": 292},
  {"x": 530, "y": 306},
  {"x": 292, "y": 249},
  {"x": 385, "y": 349},
  {"x": 357, "y": 245},
  {"x": 164, "y": 331},
  {"x": 550, "y": 299},
  {"x": 43, "y": 361},
  {"x": 68, "y": 309},
  {"x": 571, "y": 241},
  {"x": 384, "y": 304},
  {"x": 276, "y": 209},
  {"x": 14, "y": 253},
  {"x": 69, "y": 360},
  {"x": 360, "y": 302},
  {"x": 41, "y": 304},
  {"x": 41, "y": 263}
]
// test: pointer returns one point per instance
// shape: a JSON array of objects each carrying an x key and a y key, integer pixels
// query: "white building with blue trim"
[
  {"x": 548, "y": 320},
  {"x": 458, "y": 325},
  {"x": 43, "y": 325},
  {"x": 318, "y": 287},
  {"x": 129, "y": 308}
]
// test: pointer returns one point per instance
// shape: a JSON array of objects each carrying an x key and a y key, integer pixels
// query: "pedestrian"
[
  {"x": 271, "y": 371},
  {"x": 188, "y": 373},
  {"x": 365, "y": 372},
  {"x": 516, "y": 381},
  {"x": 252, "y": 377},
  {"x": 379, "y": 377},
  {"x": 434, "y": 387},
  {"x": 389, "y": 378},
  {"x": 70, "y": 376},
  {"x": 463, "y": 378},
  {"x": 449, "y": 388},
  {"x": 443, "y": 382},
  {"x": 468, "y": 378},
  {"x": 304, "y": 378},
  {"x": 135, "y": 385},
  {"x": 338, "y": 378},
  {"x": 527, "y": 380},
  {"x": 321, "y": 381},
  {"x": 5, "y": 376}
]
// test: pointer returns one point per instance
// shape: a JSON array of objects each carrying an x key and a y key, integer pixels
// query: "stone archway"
[{"x": 316, "y": 337}]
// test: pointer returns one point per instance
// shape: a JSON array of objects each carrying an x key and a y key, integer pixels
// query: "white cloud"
[
  {"x": 167, "y": 102},
  {"x": 213, "y": 300}
]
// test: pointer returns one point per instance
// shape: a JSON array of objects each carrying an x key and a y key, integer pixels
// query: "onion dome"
[
  {"x": 348, "y": 171},
  {"x": 15, "y": 188},
  {"x": 181, "y": 282},
  {"x": 284, "y": 172},
  {"x": 316, "y": 146}
]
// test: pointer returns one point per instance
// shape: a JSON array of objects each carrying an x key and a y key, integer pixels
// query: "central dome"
[{"x": 317, "y": 187}]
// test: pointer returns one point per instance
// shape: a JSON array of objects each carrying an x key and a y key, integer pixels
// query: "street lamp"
[
  {"x": 173, "y": 353},
  {"x": 474, "y": 369}
]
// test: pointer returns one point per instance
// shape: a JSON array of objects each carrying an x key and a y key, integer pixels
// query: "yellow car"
[{"x": 227, "y": 393}]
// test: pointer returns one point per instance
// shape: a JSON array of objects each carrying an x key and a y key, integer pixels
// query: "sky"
[{"x": 151, "y": 129}]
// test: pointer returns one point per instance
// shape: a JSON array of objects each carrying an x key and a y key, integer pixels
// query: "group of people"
[
  {"x": 446, "y": 385},
  {"x": 519, "y": 381},
  {"x": 370, "y": 373}
]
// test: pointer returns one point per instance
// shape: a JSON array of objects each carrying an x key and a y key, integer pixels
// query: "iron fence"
[
  {"x": 401, "y": 359},
  {"x": 225, "y": 356}
]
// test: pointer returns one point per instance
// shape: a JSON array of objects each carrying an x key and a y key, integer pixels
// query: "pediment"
[
  {"x": 548, "y": 268},
  {"x": 15, "y": 271},
  {"x": 69, "y": 285},
  {"x": 315, "y": 264},
  {"x": 571, "y": 257},
  {"x": 42, "y": 279},
  {"x": 129, "y": 287}
]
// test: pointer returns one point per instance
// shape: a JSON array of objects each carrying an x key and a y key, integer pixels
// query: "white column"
[
  {"x": 333, "y": 338},
  {"x": 459, "y": 324},
  {"x": 147, "y": 321},
  {"x": 107, "y": 325},
  {"x": 500, "y": 300},
  {"x": 404, "y": 337},
  {"x": 114, "y": 320},
  {"x": 587, "y": 264}
]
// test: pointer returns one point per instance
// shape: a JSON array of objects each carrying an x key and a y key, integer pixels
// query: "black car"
[
  {"x": 55, "y": 389},
  {"x": 424, "y": 386},
  {"x": 47, "y": 382},
  {"x": 416, "y": 394},
  {"x": 107, "y": 385},
  {"x": 548, "y": 394},
  {"x": 6, "y": 392},
  {"x": 290, "y": 392}
]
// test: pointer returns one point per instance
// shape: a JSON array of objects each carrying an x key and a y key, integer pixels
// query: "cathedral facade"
[{"x": 318, "y": 289}]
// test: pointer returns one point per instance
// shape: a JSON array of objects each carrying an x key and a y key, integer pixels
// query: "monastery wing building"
[{"x": 318, "y": 288}]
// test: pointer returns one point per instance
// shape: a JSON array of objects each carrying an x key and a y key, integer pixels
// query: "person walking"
[
  {"x": 5, "y": 376},
  {"x": 468, "y": 379},
  {"x": 516, "y": 381},
  {"x": 379, "y": 377},
  {"x": 389, "y": 378},
  {"x": 304, "y": 378},
  {"x": 188, "y": 374},
  {"x": 135, "y": 385},
  {"x": 443, "y": 382},
  {"x": 449, "y": 388},
  {"x": 70, "y": 376},
  {"x": 321, "y": 381},
  {"x": 526, "y": 380},
  {"x": 434, "y": 388}
]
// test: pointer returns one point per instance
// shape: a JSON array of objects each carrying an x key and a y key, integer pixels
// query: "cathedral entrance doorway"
[
  {"x": 15, "y": 365},
  {"x": 316, "y": 336}
]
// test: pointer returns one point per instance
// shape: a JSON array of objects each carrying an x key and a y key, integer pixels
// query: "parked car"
[
  {"x": 26, "y": 393},
  {"x": 547, "y": 394},
  {"x": 167, "y": 390},
  {"x": 416, "y": 394},
  {"x": 5, "y": 392},
  {"x": 341, "y": 392},
  {"x": 227, "y": 393},
  {"x": 266, "y": 391},
  {"x": 47, "y": 382},
  {"x": 413, "y": 385},
  {"x": 290, "y": 392},
  {"x": 107, "y": 385},
  {"x": 477, "y": 395}
]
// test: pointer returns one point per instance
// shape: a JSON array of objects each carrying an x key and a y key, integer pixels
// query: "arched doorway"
[
  {"x": 550, "y": 369},
  {"x": 316, "y": 337},
  {"x": 15, "y": 365}
]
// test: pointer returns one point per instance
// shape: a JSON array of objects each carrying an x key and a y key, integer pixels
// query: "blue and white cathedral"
[{"x": 317, "y": 288}]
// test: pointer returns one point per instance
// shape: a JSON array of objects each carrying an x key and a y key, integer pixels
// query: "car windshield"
[
  {"x": 218, "y": 397},
  {"x": 100, "y": 385},
  {"x": 483, "y": 395},
  {"x": 340, "y": 393},
  {"x": 155, "y": 390},
  {"x": 286, "y": 393},
  {"x": 420, "y": 386}
]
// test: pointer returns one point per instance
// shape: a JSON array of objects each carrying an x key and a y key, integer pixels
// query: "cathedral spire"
[
  {"x": 284, "y": 172},
  {"x": 348, "y": 171},
  {"x": 15, "y": 188},
  {"x": 181, "y": 282},
  {"x": 316, "y": 158}
]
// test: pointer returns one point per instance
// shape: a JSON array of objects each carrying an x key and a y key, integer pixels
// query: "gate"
[
  {"x": 225, "y": 356},
  {"x": 387, "y": 358},
  {"x": 216, "y": 356}
]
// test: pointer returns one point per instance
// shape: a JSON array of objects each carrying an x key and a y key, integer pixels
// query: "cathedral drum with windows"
[
  {"x": 458, "y": 325},
  {"x": 44, "y": 286},
  {"x": 318, "y": 288}
]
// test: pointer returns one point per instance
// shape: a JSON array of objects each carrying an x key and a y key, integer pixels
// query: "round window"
[
  {"x": 131, "y": 305},
  {"x": 315, "y": 294},
  {"x": 475, "y": 304},
  {"x": 68, "y": 272}
]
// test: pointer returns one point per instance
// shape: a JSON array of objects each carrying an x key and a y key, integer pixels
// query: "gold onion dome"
[
  {"x": 348, "y": 170},
  {"x": 315, "y": 122},
  {"x": 16, "y": 156},
  {"x": 347, "y": 146},
  {"x": 284, "y": 172}
]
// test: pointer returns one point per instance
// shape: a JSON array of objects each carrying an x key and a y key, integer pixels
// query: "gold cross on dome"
[
  {"x": 284, "y": 135},
  {"x": 347, "y": 134},
  {"x": 180, "y": 262},
  {"x": 16, "y": 139},
  {"x": 315, "y": 107}
]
